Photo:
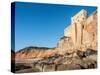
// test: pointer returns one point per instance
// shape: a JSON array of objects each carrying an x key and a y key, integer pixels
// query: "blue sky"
[{"x": 42, "y": 25}]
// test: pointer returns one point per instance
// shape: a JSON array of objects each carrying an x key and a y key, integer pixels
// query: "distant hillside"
[{"x": 33, "y": 52}]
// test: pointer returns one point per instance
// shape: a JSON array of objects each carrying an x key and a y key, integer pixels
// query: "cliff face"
[
  {"x": 82, "y": 33},
  {"x": 65, "y": 45},
  {"x": 90, "y": 32}
]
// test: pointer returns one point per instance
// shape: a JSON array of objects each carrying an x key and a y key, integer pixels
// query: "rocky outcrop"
[
  {"x": 72, "y": 61},
  {"x": 65, "y": 45},
  {"x": 81, "y": 34}
]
